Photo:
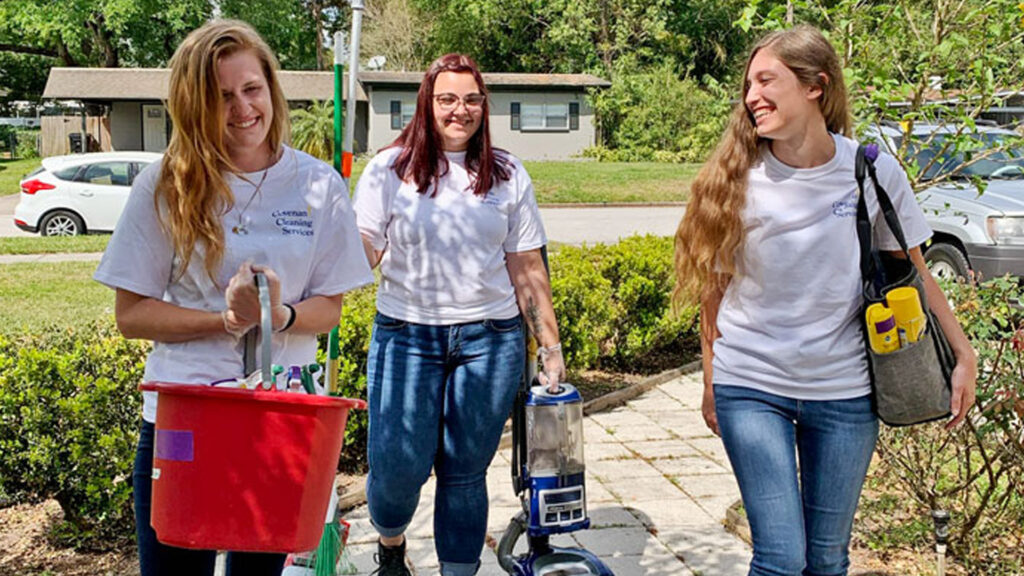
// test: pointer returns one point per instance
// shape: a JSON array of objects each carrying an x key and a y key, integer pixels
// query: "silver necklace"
[{"x": 240, "y": 228}]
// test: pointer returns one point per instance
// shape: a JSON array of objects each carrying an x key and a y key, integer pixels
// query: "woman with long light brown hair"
[
  {"x": 228, "y": 199},
  {"x": 769, "y": 249}
]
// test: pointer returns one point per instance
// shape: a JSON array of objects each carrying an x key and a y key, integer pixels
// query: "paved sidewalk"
[
  {"x": 658, "y": 486},
  {"x": 58, "y": 257}
]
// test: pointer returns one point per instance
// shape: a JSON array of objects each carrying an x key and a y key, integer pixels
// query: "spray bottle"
[
  {"x": 882, "y": 332},
  {"x": 906, "y": 308}
]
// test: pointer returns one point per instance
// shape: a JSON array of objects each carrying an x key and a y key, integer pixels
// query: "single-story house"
[
  {"x": 129, "y": 101},
  {"x": 534, "y": 116}
]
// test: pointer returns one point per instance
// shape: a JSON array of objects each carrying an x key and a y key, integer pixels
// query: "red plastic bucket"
[{"x": 246, "y": 470}]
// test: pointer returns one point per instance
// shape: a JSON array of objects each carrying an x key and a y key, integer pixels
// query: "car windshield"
[{"x": 971, "y": 156}]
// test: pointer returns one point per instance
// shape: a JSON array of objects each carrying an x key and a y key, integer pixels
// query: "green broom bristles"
[{"x": 326, "y": 555}]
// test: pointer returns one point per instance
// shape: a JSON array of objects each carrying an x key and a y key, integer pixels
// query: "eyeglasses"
[{"x": 449, "y": 101}]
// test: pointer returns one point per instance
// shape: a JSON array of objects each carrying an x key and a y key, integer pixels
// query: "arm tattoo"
[{"x": 533, "y": 318}]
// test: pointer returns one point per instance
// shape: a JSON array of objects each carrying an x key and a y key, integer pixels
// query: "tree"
[
  {"x": 952, "y": 59},
  {"x": 107, "y": 33},
  {"x": 296, "y": 30},
  {"x": 399, "y": 31},
  {"x": 313, "y": 129}
]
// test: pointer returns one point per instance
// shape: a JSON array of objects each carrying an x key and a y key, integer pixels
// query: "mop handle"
[{"x": 266, "y": 331}]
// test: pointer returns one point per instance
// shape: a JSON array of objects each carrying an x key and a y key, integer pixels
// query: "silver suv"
[{"x": 979, "y": 233}]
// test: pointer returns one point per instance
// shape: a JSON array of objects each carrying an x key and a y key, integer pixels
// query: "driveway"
[
  {"x": 567, "y": 225},
  {"x": 7, "y": 227}
]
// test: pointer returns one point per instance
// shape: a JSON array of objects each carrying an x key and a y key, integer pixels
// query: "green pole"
[{"x": 339, "y": 115}]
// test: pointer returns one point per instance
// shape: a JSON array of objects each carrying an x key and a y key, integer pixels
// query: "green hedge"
[
  {"x": 70, "y": 408},
  {"x": 69, "y": 418}
]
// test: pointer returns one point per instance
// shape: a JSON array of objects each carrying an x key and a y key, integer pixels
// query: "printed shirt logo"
[
  {"x": 294, "y": 222},
  {"x": 847, "y": 207}
]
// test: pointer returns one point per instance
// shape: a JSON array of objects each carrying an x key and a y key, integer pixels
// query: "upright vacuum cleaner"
[{"x": 548, "y": 478}]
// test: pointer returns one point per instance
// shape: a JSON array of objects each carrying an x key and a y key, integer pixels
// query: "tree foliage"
[{"x": 313, "y": 129}]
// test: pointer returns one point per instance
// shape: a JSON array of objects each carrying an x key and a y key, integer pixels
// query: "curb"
[
  {"x": 557, "y": 205},
  {"x": 50, "y": 257},
  {"x": 600, "y": 404}
]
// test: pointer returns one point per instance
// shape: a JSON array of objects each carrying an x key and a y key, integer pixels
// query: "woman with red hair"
[{"x": 454, "y": 225}]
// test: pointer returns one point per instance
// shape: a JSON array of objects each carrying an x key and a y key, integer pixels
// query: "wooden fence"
[{"x": 56, "y": 131}]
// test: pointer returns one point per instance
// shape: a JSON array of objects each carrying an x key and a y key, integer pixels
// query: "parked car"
[
  {"x": 78, "y": 194},
  {"x": 974, "y": 233}
]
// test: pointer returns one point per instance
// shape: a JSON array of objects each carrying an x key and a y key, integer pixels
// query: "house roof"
[
  {"x": 151, "y": 84},
  {"x": 494, "y": 80}
]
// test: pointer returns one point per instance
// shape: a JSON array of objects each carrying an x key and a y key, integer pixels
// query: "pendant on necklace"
[{"x": 240, "y": 230}]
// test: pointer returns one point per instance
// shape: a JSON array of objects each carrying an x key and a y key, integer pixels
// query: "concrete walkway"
[{"x": 658, "y": 486}]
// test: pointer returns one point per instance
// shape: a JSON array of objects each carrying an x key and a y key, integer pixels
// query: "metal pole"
[
  {"x": 353, "y": 72},
  {"x": 339, "y": 72},
  {"x": 941, "y": 520}
]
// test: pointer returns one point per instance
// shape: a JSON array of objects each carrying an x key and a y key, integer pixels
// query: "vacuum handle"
[{"x": 266, "y": 331}]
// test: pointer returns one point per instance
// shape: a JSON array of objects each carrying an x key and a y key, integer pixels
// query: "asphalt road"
[{"x": 571, "y": 225}]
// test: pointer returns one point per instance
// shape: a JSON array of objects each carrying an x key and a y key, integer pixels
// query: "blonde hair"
[
  {"x": 192, "y": 193},
  {"x": 711, "y": 231}
]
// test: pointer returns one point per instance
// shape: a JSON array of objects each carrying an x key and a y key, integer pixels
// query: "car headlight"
[{"x": 1006, "y": 229}]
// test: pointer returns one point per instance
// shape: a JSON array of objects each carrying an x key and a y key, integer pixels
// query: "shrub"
[
  {"x": 28, "y": 144},
  {"x": 655, "y": 115},
  {"x": 976, "y": 471},
  {"x": 613, "y": 305},
  {"x": 69, "y": 420}
]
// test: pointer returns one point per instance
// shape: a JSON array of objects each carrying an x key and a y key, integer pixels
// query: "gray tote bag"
[{"x": 912, "y": 384}]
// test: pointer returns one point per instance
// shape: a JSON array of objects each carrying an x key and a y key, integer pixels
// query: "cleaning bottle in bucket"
[
  {"x": 882, "y": 333},
  {"x": 906, "y": 309}
]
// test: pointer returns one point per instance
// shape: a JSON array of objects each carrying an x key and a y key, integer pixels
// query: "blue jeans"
[
  {"x": 156, "y": 559},
  {"x": 799, "y": 526},
  {"x": 439, "y": 397}
]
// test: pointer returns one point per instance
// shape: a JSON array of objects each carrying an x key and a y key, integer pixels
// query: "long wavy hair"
[
  {"x": 192, "y": 193},
  {"x": 422, "y": 158},
  {"x": 711, "y": 231}
]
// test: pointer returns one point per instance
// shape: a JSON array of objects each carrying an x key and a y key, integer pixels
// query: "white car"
[
  {"x": 974, "y": 233},
  {"x": 78, "y": 194}
]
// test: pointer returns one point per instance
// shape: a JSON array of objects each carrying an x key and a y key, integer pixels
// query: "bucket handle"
[{"x": 266, "y": 330}]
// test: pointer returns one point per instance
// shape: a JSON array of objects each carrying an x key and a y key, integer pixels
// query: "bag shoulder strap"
[{"x": 865, "y": 163}]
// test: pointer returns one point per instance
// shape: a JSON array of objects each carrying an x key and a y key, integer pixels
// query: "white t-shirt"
[
  {"x": 790, "y": 317},
  {"x": 300, "y": 224},
  {"x": 444, "y": 255}
]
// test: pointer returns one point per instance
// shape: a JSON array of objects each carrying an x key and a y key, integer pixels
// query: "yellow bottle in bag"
[
  {"x": 882, "y": 334},
  {"x": 906, "y": 308}
]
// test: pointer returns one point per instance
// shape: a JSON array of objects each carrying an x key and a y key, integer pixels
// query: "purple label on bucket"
[{"x": 174, "y": 445}]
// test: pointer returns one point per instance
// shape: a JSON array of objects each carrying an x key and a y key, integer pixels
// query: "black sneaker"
[{"x": 391, "y": 560}]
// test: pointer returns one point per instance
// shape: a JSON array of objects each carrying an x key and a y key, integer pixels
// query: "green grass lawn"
[
  {"x": 598, "y": 182},
  {"x": 54, "y": 244},
  {"x": 602, "y": 182},
  {"x": 63, "y": 293},
  {"x": 12, "y": 171}
]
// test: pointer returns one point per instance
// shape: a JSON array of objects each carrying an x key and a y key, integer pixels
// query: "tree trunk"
[
  {"x": 103, "y": 40},
  {"x": 65, "y": 54},
  {"x": 319, "y": 27}
]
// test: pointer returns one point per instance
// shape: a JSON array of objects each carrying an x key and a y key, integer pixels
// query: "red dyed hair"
[{"x": 422, "y": 159}]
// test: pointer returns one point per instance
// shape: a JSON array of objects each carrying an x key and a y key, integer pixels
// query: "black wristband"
[{"x": 291, "y": 318}]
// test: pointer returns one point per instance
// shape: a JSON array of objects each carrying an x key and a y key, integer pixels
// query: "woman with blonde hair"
[
  {"x": 228, "y": 199},
  {"x": 769, "y": 248}
]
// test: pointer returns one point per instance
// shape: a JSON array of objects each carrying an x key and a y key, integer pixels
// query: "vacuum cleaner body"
[{"x": 548, "y": 476}]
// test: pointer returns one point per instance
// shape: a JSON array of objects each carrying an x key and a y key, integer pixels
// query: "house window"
[
  {"x": 401, "y": 113},
  {"x": 574, "y": 115},
  {"x": 528, "y": 117}
]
